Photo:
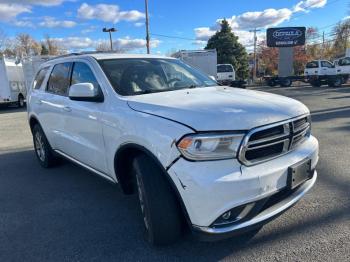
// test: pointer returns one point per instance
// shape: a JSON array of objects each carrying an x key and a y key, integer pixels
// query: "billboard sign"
[{"x": 285, "y": 37}]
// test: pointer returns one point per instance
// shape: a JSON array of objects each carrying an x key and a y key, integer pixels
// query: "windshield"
[
  {"x": 224, "y": 68},
  {"x": 135, "y": 76}
]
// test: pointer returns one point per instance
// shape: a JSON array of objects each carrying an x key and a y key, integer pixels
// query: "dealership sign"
[{"x": 286, "y": 37}]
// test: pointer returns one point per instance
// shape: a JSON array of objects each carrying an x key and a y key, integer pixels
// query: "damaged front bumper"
[{"x": 268, "y": 212}]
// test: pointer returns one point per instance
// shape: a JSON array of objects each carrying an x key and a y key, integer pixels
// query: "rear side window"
[
  {"x": 83, "y": 74},
  {"x": 313, "y": 64},
  {"x": 39, "y": 79},
  {"x": 59, "y": 79},
  {"x": 224, "y": 68}
]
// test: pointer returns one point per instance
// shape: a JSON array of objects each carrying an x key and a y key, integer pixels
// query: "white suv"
[{"x": 219, "y": 160}]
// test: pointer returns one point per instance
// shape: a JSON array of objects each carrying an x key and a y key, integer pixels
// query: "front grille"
[{"x": 264, "y": 143}]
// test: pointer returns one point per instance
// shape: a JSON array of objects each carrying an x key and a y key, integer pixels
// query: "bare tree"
[
  {"x": 106, "y": 47},
  {"x": 24, "y": 44},
  {"x": 52, "y": 46},
  {"x": 103, "y": 46},
  {"x": 342, "y": 34},
  {"x": 3, "y": 40}
]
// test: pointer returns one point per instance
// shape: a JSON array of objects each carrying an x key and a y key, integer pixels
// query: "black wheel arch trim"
[{"x": 162, "y": 168}]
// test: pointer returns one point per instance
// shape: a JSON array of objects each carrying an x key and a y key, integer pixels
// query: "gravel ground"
[{"x": 67, "y": 214}]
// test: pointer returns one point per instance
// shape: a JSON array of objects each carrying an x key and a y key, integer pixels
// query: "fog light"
[{"x": 226, "y": 215}]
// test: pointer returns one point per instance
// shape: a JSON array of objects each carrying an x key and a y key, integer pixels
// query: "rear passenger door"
[
  {"x": 53, "y": 103},
  {"x": 82, "y": 123}
]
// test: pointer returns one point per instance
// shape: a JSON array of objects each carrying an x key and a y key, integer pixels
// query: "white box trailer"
[
  {"x": 12, "y": 83},
  {"x": 203, "y": 60},
  {"x": 31, "y": 66}
]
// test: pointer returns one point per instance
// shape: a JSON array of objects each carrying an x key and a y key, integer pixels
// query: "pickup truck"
[
  {"x": 343, "y": 68},
  {"x": 316, "y": 73}
]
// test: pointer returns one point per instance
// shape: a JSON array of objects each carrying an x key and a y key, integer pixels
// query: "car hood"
[{"x": 218, "y": 108}]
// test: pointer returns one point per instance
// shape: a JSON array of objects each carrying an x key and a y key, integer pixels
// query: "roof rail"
[{"x": 82, "y": 53}]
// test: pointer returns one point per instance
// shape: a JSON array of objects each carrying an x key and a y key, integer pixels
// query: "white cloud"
[
  {"x": 203, "y": 33},
  {"x": 75, "y": 42},
  {"x": 90, "y": 29},
  {"x": 23, "y": 23},
  {"x": 10, "y": 11},
  {"x": 126, "y": 43},
  {"x": 34, "y": 2},
  {"x": 304, "y": 6},
  {"x": 108, "y": 13},
  {"x": 266, "y": 18},
  {"x": 139, "y": 24},
  {"x": 51, "y": 22}
]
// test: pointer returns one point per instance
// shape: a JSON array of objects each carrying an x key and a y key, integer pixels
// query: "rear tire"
[
  {"x": 286, "y": 82},
  {"x": 20, "y": 102},
  {"x": 160, "y": 208},
  {"x": 336, "y": 82},
  {"x": 42, "y": 148},
  {"x": 271, "y": 83},
  {"x": 316, "y": 83}
]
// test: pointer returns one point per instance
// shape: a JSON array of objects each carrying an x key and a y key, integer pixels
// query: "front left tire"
[{"x": 160, "y": 209}]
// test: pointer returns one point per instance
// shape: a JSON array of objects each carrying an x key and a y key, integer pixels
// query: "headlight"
[{"x": 210, "y": 146}]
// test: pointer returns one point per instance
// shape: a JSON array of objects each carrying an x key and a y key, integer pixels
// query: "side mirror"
[
  {"x": 212, "y": 77},
  {"x": 85, "y": 92}
]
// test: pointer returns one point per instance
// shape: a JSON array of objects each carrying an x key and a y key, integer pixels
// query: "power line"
[{"x": 175, "y": 37}]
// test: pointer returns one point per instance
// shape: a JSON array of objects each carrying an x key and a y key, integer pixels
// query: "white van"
[
  {"x": 225, "y": 73},
  {"x": 12, "y": 83}
]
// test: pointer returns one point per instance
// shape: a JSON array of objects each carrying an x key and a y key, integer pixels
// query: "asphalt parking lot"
[{"x": 67, "y": 214}]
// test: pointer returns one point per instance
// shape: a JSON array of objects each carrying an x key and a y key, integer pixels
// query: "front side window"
[
  {"x": 344, "y": 62},
  {"x": 137, "y": 76},
  {"x": 326, "y": 64},
  {"x": 82, "y": 74},
  {"x": 59, "y": 79},
  {"x": 39, "y": 79}
]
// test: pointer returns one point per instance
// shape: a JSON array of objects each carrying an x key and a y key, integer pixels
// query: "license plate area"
[{"x": 299, "y": 173}]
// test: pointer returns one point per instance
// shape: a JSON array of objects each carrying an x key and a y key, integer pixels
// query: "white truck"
[
  {"x": 343, "y": 68},
  {"x": 316, "y": 73},
  {"x": 206, "y": 61},
  {"x": 203, "y": 60},
  {"x": 12, "y": 83},
  {"x": 225, "y": 73},
  {"x": 30, "y": 66}
]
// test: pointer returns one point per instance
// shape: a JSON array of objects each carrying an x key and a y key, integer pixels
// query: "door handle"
[
  {"x": 67, "y": 109},
  {"x": 38, "y": 102}
]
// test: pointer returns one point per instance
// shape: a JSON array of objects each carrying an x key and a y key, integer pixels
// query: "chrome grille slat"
[{"x": 258, "y": 147}]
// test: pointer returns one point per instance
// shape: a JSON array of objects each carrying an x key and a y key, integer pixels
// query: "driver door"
[{"x": 84, "y": 138}]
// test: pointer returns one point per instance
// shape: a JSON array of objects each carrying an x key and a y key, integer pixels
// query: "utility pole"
[
  {"x": 255, "y": 41},
  {"x": 147, "y": 27},
  {"x": 110, "y": 31},
  {"x": 323, "y": 44}
]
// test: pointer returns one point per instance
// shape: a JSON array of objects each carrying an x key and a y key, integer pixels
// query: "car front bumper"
[
  {"x": 210, "y": 233},
  {"x": 211, "y": 188}
]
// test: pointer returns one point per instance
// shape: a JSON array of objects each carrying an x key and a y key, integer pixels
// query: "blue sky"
[{"x": 77, "y": 24}]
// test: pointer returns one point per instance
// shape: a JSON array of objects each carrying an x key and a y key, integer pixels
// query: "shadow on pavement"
[{"x": 66, "y": 213}]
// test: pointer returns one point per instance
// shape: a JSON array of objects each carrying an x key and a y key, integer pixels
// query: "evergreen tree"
[
  {"x": 229, "y": 50},
  {"x": 44, "y": 50}
]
